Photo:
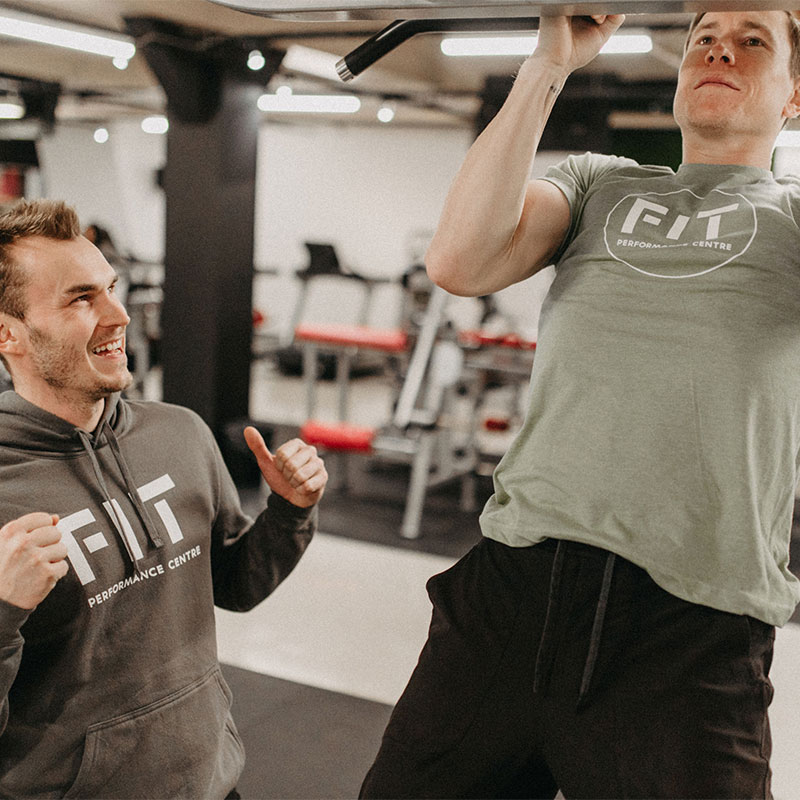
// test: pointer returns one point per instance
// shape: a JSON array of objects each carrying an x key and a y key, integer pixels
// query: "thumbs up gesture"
[{"x": 294, "y": 471}]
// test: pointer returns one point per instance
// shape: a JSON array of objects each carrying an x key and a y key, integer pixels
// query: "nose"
[
  {"x": 114, "y": 314},
  {"x": 718, "y": 52}
]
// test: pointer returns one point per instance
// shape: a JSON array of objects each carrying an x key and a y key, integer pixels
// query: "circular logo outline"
[{"x": 667, "y": 194}]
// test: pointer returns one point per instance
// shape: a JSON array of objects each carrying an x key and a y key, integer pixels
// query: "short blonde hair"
[{"x": 49, "y": 218}]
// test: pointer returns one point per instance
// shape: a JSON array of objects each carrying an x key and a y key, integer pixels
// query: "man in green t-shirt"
[{"x": 611, "y": 635}]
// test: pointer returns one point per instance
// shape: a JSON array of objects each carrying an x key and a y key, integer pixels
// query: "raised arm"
[
  {"x": 497, "y": 227},
  {"x": 249, "y": 568}
]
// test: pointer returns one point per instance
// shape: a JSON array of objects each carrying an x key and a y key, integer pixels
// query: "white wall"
[
  {"x": 369, "y": 191},
  {"x": 111, "y": 184}
]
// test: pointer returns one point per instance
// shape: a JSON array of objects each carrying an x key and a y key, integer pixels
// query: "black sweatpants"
[{"x": 560, "y": 666}]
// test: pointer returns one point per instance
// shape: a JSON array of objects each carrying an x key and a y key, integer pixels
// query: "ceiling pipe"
[{"x": 401, "y": 30}]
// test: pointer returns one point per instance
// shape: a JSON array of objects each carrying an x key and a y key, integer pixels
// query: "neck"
[
  {"x": 716, "y": 148},
  {"x": 80, "y": 412}
]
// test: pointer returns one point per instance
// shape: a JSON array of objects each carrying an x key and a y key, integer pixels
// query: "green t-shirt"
[{"x": 664, "y": 418}]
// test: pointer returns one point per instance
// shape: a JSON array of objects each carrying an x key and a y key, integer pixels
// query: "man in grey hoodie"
[{"x": 121, "y": 528}]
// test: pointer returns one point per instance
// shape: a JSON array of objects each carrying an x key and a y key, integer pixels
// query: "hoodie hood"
[{"x": 28, "y": 428}]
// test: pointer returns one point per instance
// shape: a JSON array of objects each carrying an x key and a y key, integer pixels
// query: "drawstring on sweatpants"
[
  {"x": 545, "y": 657},
  {"x": 597, "y": 629}
]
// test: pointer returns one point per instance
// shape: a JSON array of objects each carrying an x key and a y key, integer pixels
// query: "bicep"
[
  {"x": 540, "y": 229},
  {"x": 543, "y": 224}
]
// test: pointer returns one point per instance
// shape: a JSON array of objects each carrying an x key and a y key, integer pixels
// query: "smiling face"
[
  {"x": 736, "y": 78},
  {"x": 68, "y": 353}
]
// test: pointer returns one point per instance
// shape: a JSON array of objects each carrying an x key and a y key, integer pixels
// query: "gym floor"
[{"x": 316, "y": 668}]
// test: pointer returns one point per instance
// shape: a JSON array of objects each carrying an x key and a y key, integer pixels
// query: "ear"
[
  {"x": 792, "y": 107},
  {"x": 11, "y": 340}
]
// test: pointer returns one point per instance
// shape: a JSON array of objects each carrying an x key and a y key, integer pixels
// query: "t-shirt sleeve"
[
  {"x": 791, "y": 186},
  {"x": 575, "y": 176}
]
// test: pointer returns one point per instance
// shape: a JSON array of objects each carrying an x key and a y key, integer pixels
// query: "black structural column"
[{"x": 209, "y": 182}]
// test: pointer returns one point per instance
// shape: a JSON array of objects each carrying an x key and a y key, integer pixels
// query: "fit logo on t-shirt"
[{"x": 679, "y": 234}]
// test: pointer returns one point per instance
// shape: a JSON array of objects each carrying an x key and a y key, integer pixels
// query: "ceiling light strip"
[
  {"x": 30, "y": 28},
  {"x": 622, "y": 43},
  {"x": 309, "y": 103}
]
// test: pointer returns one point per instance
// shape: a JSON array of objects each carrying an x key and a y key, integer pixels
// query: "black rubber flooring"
[{"x": 302, "y": 742}]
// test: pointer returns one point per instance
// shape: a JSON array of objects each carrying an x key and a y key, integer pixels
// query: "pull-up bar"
[
  {"x": 438, "y": 9},
  {"x": 355, "y": 62}
]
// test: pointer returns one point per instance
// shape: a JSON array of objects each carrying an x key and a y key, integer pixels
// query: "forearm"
[
  {"x": 473, "y": 251},
  {"x": 249, "y": 569}
]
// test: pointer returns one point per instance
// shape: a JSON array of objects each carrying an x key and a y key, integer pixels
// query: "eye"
[
  {"x": 704, "y": 40},
  {"x": 82, "y": 298},
  {"x": 753, "y": 41}
]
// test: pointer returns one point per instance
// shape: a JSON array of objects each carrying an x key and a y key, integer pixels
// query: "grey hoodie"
[{"x": 111, "y": 686}]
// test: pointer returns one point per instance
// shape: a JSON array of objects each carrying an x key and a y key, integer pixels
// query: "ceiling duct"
[{"x": 437, "y": 9}]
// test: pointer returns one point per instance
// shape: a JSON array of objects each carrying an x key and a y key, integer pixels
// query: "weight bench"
[{"x": 412, "y": 435}]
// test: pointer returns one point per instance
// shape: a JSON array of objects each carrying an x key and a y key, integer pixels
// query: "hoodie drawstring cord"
[
  {"x": 133, "y": 492},
  {"x": 545, "y": 658},
  {"x": 87, "y": 446}
]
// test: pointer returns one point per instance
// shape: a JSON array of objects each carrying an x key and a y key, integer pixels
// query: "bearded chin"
[{"x": 102, "y": 391}]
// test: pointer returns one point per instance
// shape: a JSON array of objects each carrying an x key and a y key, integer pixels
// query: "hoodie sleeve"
[
  {"x": 250, "y": 558},
  {"x": 11, "y": 641}
]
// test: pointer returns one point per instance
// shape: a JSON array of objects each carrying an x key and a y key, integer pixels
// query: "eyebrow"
[
  {"x": 747, "y": 26},
  {"x": 84, "y": 288}
]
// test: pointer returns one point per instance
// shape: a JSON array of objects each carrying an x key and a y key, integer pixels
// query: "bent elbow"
[{"x": 448, "y": 273}]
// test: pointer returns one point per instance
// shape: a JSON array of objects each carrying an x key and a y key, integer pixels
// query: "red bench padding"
[
  {"x": 391, "y": 340},
  {"x": 338, "y": 436},
  {"x": 479, "y": 338}
]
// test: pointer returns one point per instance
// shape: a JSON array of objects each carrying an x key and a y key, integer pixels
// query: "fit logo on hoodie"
[{"x": 97, "y": 541}]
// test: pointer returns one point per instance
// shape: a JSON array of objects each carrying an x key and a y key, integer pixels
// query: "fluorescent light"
[
  {"x": 26, "y": 26},
  {"x": 310, "y": 103},
  {"x": 625, "y": 43},
  {"x": 11, "y": 109},
  {"x": 256, "y": 60},
  {"x": 788, "y": 139},
  {"x": 385, "y": 113},
  {"x": 525, "y": 45},
  {"x": 311, "y": 62},
  {"x": 155, "y": 124},
  {"x": 488, "y": 45}
]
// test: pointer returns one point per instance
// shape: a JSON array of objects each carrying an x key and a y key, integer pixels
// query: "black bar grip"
[{"x": 366, "y": 54}]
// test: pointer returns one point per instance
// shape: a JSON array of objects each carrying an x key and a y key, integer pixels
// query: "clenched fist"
[{"x": 32, "y": 559}]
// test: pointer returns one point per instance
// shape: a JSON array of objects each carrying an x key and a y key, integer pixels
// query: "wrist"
[
  {"x": 12, "y": 617},
  {"x": 543, "y": 70}
]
